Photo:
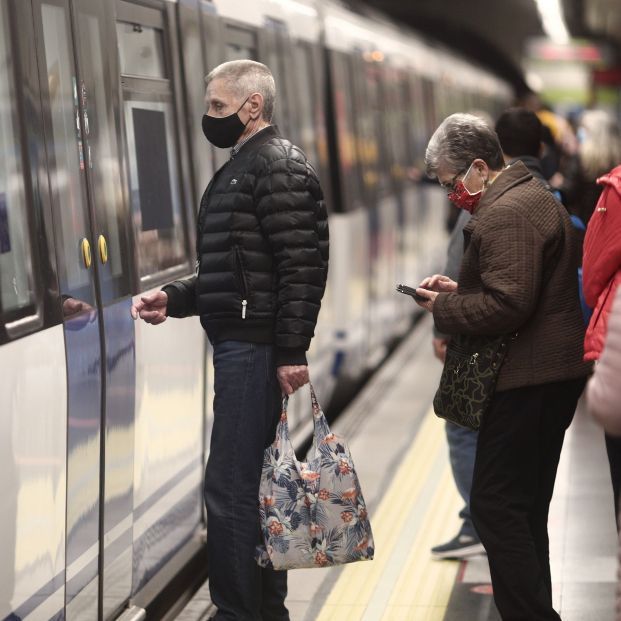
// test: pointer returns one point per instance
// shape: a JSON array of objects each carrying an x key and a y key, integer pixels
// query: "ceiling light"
[{"x": 553, "y": 21}]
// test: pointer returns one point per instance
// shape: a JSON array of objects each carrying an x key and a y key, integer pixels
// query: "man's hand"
[
  {"x": 439, "y": 348},
  {"x": 151, "y": 308},
  {"x": 292, "y": 377}
]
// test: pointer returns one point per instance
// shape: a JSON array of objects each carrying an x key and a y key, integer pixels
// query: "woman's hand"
[
  {"x": 430, "y": 298},
  {"x": 439, "y": 283}
]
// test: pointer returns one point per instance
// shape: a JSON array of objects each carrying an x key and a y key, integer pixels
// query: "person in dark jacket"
[
  {"x": 262, "y": 262},
  {"x": 520, "y": 134},
  {"x": 517, "y": 279}
]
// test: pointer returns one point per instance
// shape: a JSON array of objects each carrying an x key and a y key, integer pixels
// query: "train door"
[
  {"x": 170, "y": 358},
  {"x": 79, "y": 90}
]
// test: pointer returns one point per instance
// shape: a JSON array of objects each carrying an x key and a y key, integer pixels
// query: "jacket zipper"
[{"x": 242, "y": 278}]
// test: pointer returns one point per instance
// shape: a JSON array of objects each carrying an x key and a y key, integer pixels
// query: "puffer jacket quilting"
[{"x": 262, "y": 250}]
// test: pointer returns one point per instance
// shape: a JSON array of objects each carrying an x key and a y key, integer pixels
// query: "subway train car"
[{"x": 104, "y": 422}]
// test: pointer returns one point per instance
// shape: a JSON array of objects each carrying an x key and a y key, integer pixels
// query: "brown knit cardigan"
[{"x": 519, "y": 273}]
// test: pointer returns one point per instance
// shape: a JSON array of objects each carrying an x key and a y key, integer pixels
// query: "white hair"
[
  {"x": 245, "y": 77},
  {"x": 601, "y": 149}
]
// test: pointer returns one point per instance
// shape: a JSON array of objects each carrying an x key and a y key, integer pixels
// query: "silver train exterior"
[{"x": 104, "y": 422}]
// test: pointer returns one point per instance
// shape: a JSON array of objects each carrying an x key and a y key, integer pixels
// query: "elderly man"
[
  {"x": 262, "y": 248},
  {"x": 518, "y": 278}
]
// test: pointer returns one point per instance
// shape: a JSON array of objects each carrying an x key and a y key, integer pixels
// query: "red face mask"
[{"x": 464, "y": 199}]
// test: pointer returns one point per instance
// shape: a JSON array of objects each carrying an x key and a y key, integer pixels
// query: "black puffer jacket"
[{"x": 262, "y": 249}]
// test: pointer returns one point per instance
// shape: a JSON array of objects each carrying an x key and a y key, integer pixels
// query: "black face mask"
[{"x": 224, "y": 132}]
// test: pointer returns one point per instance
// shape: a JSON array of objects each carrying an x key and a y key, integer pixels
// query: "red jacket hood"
[{"x": 613, "y": 179}]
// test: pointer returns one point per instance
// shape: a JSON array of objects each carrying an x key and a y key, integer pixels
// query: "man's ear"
[{"x": 256, "y": 105}]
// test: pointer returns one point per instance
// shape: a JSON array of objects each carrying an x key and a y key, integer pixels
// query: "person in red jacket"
[{"x": 601, "y": 276}]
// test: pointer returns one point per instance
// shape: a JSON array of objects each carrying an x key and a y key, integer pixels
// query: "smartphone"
[{"x": 409, "y": 291}]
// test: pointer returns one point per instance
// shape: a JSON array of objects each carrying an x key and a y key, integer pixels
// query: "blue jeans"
[
  {"x": 462, "y": 451},
  {"x": 246, "y": 413}
]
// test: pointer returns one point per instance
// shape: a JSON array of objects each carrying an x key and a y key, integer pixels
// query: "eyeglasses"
[{"x": 450, "y": 186}]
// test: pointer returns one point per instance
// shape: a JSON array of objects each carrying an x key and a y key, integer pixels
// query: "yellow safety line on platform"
[{"x": 418, "y": 510}]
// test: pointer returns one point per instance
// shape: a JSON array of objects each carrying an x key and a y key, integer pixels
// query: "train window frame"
[
  {"x": 164, "y": 92},
  {"x": 27, "y": 319}
]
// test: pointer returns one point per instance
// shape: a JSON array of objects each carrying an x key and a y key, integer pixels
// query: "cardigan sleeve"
[{"x": 604, "y": 388}]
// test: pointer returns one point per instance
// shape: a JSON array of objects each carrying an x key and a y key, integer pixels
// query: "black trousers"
[
  {"x": 518, "y": 452},
  {"x": 613, "y": 450}
]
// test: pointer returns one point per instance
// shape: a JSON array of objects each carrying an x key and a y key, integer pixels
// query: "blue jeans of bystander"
[{"x": 462, "y": 452}]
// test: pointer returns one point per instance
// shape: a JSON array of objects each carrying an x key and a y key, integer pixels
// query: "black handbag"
[{"x": 469, "y": 378}]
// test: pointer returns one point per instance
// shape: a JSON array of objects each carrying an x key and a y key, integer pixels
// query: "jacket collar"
[
  {"x": 533, "y": 164},
  {"x": 256, "y": 140},
  {"x": 513, "y": 175},
  {"x": 613, "y": 178}
]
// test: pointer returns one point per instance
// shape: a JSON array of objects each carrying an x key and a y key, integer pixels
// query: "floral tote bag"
[{"x": 312, "y": 513}]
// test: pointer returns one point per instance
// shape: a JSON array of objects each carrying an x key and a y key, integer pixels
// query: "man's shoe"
[{"x": 460, "y": 546}]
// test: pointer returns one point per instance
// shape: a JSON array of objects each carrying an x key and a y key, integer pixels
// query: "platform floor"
[{"x": 400, "y": 453}]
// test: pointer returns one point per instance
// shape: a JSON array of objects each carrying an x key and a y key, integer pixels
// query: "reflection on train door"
[{"x": 80, "y": 94}]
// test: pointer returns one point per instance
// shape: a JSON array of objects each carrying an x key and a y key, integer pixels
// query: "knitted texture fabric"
[{"x": 518, "y": 274}]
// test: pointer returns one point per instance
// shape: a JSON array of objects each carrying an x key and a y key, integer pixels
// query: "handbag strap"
[{"x": 321, "y": 428}]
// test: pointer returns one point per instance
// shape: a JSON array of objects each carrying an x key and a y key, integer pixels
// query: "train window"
[
  {"x": 306, "y": 101},
  {"x": 154, "y": 178},
  {"x": 370, "y": 140},
  {"x": 141, "y": 50},
  {"x": 151, "y": 166},
  {"x": 16, "y": 269},
  {"x": 65, "y": 145},
  {"x": 429, "y": 104},
  {"x": 418, "y": 130},
  {"x": 276, "y": 51},
  {"x": 395, "y": 122},
  {"x": 240, "y": 43},
  {"x": 345, "y": 113}
]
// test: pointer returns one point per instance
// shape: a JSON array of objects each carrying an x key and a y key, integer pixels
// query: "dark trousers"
[
  {"x": 246, "y": 413},
  {"x": 613, "y": 450},
  {"x": 518, "y": 452}
]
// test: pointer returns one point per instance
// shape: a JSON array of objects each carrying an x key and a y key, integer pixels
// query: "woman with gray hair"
[
  {"x": 517, "y": 280},
  {"x": 598, "y": 151}
]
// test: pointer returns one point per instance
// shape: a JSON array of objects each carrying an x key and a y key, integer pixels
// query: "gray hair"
[
  {"x": 460, "y": 139},
  {"x": 245, "y": 77},
  {"x": 601, "y": 149}
]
